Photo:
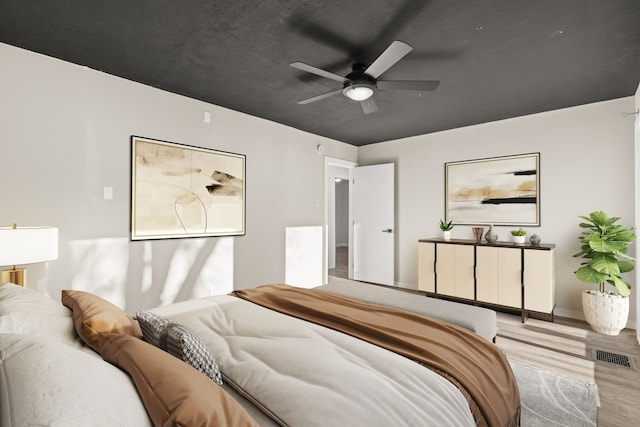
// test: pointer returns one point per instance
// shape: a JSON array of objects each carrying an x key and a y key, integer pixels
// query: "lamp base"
[{"x": 15, "y": 275}]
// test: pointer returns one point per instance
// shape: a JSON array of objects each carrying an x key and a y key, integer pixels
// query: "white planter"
[
  {"x": 446, "y": 235},
  {"x": 518, "y": 239},
  {"x": 606, "y": 313}
]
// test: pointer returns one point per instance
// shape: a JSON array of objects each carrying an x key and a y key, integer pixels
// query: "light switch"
[
  {"x": 107, "y": 193},
  {"x": 206, "y": 117}
]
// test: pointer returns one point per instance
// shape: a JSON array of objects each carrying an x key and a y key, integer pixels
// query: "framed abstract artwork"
[
  {"x": 498, "y": 191},
  {"x": 182, "y": 191}
]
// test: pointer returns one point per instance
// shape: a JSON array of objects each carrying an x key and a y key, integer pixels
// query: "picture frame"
[
  {"x": 496, "y": 191},
  {"x": 180, "y": 191}
]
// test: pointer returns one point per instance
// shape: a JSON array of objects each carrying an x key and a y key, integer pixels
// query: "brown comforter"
[{"x": 477, "y": 367}]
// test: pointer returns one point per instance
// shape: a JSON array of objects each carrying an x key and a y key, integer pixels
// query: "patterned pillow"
[
  {"x": 152, "y": 326},
  {"x": 179, "y": 341}
]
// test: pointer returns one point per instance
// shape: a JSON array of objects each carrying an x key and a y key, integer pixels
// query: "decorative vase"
[
  {"x": 477, "y": 233},
  {"x": 518, "y": 240},
  {"x": 446, "y": 235},
  {"x": 534, "y": 239},
  {"x": 491, "y": 237},
  {"x": 607, "y": 313}
]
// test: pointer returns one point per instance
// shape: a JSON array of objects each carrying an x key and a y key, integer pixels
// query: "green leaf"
[
  {"x": 624, "y": 236},
  {"x": 605, "y": 263},
  {"x": 625, "y": 266},
  {"x": 599, "y": 218},
  {"x": 589, "y": 275},
  {"x": 624, "y": 255},
  {"x": 606, "y": 246},
  {"x": 623, "y": 287},
  {"x": 446, "y": 225}
]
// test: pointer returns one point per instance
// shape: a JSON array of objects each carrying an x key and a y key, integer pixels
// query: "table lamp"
[{"x": 26, "y": 245}]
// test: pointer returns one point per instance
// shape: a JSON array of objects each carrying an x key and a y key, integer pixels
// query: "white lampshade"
[
  {"x": 27, "y": 245},
  {"x": 359, "y": 92}
]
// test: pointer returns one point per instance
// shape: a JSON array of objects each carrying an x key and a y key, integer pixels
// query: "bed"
[{"x": 284, "y": 356}]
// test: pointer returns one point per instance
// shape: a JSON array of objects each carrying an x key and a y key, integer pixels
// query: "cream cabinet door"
[
  {"x": 454, "y": 269},
  {"x": 426, "y": 266},
  {"x": 498, "y": 276},
  {"x": 539, "y": 280},
  {"x": 510, "y": 277},
  {"x": 487, "y": 274}
]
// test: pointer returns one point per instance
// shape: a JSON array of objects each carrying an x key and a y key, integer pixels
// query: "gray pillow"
[{"x": 179, "y": 341}]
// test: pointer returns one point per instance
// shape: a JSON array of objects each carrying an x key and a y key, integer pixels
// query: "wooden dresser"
[{"x": 502, "y": 275}]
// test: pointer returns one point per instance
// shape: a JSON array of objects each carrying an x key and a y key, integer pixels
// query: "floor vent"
[{"x": 613, "y": 358}]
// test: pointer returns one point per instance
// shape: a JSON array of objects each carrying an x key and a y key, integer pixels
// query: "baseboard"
[
  {"x": 405, "y": 286},
  {"x": 571, "y": 314},
  {"x": 579, "y": 315}
]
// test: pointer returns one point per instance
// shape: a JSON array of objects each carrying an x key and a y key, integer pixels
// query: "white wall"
[
  {"x": 587, "y": 164},
  {"x": 64, "y": 134}
]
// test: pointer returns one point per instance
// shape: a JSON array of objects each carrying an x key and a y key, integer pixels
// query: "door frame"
[
  {"x": 636, "y": 137},
  {"x": 329, "y": 184}
]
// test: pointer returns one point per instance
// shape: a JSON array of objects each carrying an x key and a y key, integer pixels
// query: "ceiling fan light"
[{"x": 359, "y": 92}]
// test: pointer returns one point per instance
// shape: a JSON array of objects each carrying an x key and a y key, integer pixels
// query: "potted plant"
[
  {"x": 446, "y": 227},
  {"x": 518, "y": 235},
  {"x": 604, "y": 251}
]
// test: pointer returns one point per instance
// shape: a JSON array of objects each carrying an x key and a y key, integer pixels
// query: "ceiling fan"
[{"x": 362, "y": 82}]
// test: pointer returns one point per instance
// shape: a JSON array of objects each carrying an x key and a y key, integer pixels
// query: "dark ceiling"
[{"x": 495, "y": 59}]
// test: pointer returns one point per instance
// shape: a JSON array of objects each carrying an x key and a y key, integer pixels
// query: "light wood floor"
[
  {"x": 565, "y": 346},
  {"x": 342, "y": 263}
]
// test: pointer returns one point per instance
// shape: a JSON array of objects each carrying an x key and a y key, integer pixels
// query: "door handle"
[{"x": 387, "y": 230}]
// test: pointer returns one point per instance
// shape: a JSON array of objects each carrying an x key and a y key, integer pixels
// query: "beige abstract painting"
[
  {"x": 183, "y": 191},
  {"x": 499, "y": 191}
]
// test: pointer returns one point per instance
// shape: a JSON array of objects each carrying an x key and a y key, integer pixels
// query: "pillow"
[
  {"x": 173, "y": 392},
  {"x": 94, "y": 315},
  {"x": 48, "y": 383},
  {"x": 179, "y": 341},
  {"x": 29, "y": 312},
  {"x": 152, "y": 326}
]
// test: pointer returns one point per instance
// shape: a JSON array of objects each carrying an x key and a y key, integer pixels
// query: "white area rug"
[{"x": 552, "y": 400}]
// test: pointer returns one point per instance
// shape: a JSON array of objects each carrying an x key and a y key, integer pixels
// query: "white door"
[{"x": 373, "y": 224}]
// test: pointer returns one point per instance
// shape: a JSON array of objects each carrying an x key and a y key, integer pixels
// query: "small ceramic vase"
[
  {"x": 534, "y": 239},
  {"x": 491, "y": 237}
]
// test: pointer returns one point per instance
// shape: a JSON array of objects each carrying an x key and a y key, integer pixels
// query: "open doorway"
[
  {"x": 338, "y": 233},
  {"x": 341, "y": 212}
]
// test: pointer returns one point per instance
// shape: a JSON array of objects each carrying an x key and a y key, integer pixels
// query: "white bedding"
[
  {"x": 48, "y": 383},
  {"x": 303, "y": 374},
  {"x": 48, "y": 377},
  {"x": 308, "y": 375}
]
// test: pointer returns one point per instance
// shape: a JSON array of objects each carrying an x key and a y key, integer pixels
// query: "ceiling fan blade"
[
  {"x": 394, "y": 53},
  {"x": 369, "y": 105},
  {"x": 335, "y": 65},
  {"x": 319, "y": 97},
  {"x": 418, "y": 85},
  {"x": 314, "y": 70}
]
